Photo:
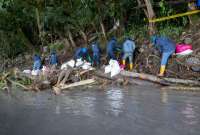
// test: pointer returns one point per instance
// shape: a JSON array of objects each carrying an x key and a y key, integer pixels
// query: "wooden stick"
[
  {"x": 57, "y": 90},
  {"x": 18, "y": 84}
]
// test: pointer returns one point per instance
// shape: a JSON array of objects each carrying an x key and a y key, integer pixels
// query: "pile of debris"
[{"x": 182, "y": 67}]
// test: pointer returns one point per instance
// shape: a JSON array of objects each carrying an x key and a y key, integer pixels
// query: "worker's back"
[
  {"x": 165, "y": 44},
  {"x": 111, "y": 45},
  {"x": 128, "y": 46}
]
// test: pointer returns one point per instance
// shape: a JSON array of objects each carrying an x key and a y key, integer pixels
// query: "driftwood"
[
  {"x": 18, "y": 84},
  {"x": 181, "y": 88},
  {"x": 162, "y": 81},
  {"x": 143, "y": 76},
  {"x": 57, "y": 90}
]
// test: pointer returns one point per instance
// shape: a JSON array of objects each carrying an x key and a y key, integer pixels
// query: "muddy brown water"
[{"x": 138, "y": 110}]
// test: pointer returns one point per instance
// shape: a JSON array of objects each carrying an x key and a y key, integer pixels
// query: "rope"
[{"x": 174, "y": 16}]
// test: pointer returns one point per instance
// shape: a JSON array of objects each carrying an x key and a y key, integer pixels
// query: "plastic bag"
[
  {"x": 86, "y": 66},
  {"x": 186, "y": 52},
  {"x": 45, "y": 70},
  {"x": 183, "y": 49},
  {"x": 107, "y": 69},
  {"x": 35, "y": 72},
  {"x": 71, "y": 63},
  {"x": 79, "y": 62},
  {"x": 115, "y": 68},
  {"x": 27, "y": 71},
  {"x": 63, "y": 66}
]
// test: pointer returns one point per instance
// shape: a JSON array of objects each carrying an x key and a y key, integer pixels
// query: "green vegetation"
[{"x": 29, "y": 24}]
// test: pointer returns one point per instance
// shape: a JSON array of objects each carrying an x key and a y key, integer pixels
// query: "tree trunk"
[
  {"x": 150, "y": 16},
  {"x": 162, "y": 81},
  {"x": 103, "y": 30},
  {"x": 39, "y": 23},
  {"x": 84, "y": 36},
  {"x": 71, "y": 39}
]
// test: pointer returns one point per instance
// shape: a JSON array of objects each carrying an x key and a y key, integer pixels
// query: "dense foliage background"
[{"x": 27, "y": 25}]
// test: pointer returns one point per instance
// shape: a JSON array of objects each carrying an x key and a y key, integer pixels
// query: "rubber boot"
[
  {"x": 131, "y": 66},
  {"x": 123, "y": 62},
  {"x": 162, "y": 70}
]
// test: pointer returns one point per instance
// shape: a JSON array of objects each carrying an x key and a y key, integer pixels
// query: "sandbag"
[
  {"x": 113, "y": 68},
  {"x": 79, "y": 62},
  {"x": 70, "y": 63},
  {"x": 86, "y": 66}
]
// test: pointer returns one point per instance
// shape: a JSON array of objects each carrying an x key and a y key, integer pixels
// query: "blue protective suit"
[
  {"x": 164, "y": 44},
  {"x": 53, "y": 59},
  {"x": 166, "y": 47},
  {"x": 82, "y": 53},
  {"x": 198, "y": 3},
  {"x": 111, "y": 46},
  {"x": 37, "y": 62},
  {"x": 128, "y": 46},
  {"x": 96, "y": 53}
]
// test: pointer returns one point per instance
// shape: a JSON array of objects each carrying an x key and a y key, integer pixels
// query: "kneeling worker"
[
  {"x": 128, "y": 50},
  {"x": 166, "y": 47},
  {"x": 82, "y": 53}
]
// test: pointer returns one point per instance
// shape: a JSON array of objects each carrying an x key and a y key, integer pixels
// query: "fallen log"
[
  {"x": 181, "y": 88},
  {"x": 182, "y": 81},
  {"x": 162, "y": 81},
  {"x": 143, "y": 76},
  {"x": 58, "y": 89}
]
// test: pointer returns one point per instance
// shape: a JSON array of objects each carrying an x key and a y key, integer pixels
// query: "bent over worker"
[
  {"x": 166, "y": 47},
  {"x": 128, "y": 50},
  {"x": 96, "y": 54},
  {"x": 82, "y": 53},
  {"x": 111, "y": 46}
]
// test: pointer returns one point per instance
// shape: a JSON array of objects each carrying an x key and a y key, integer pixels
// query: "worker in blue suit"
[
  {"x": 96, "y": 54},
  {"x": 128, "y": 50},
  {"x": 37, "y": 62},
  {"x": 82, "y": 53},
  {"x": 111, "y": 48},
  {"x": 53, "y": 58},
  {"x": 167, "y": 47}
]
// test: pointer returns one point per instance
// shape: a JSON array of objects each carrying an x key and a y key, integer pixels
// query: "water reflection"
[
  {"x": 114, "y": 99},
  {"x": 78, "y": 105},
  {"x": 164, "y": 96},
  {"x": 189, "y": 114}
]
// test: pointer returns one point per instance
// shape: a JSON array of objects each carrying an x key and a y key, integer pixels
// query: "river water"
[{"x": 138, "y": 110}]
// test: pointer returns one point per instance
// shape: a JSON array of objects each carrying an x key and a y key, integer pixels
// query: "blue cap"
[
  {"x": 114, "y": 38},
  {"x": 84, "y": 50}
]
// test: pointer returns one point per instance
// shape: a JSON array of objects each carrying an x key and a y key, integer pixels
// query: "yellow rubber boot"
[
  {"x": 123, "y": 62},
  {"x": 162, "y": 70},
  {"x": 131, "y": 66}
]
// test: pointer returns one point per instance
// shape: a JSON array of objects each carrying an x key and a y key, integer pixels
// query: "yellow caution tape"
[{"x": 174, "y": 16}]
